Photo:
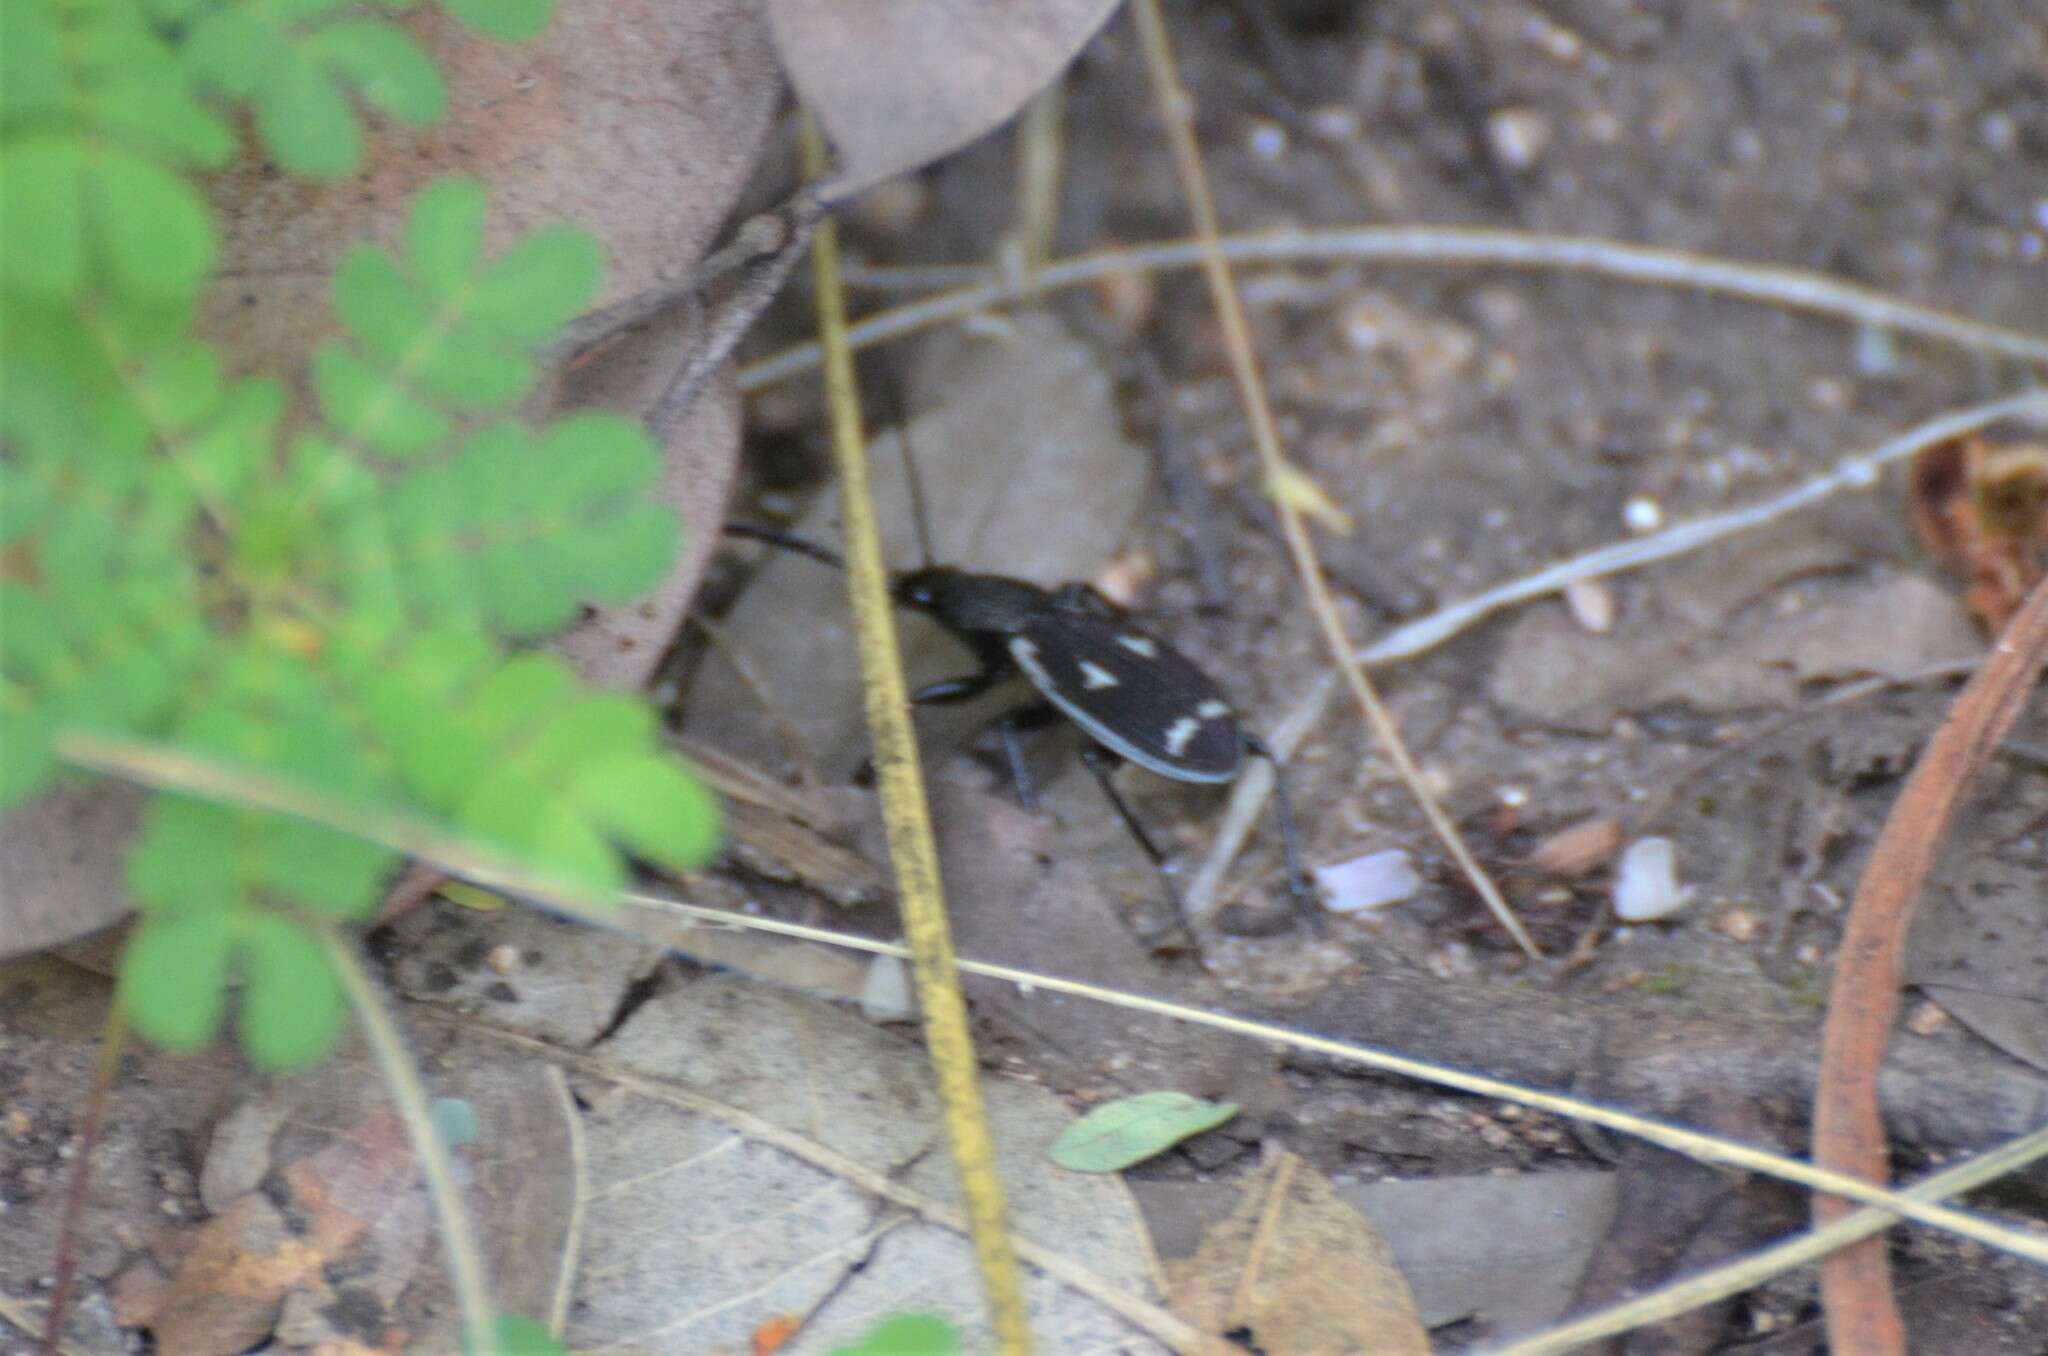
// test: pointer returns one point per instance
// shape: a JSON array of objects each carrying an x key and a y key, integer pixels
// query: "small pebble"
[
  {"x": 1585, "y": 846},
  {"x": 504, "y": 959},
  {"x": 1268, "y": 140},
  {"x": 1738, "y": 925},
  {"x": 1642, "y": 514},
  {"x": 1646, "y": 881},
  {"x": 1366, "y": 883},
  {"x": 885, "y": 995},
  {"x": 1519, "y": 136},
  {"x": 1591, "y": 602},
  {"x": 1927, "y": 1019}
]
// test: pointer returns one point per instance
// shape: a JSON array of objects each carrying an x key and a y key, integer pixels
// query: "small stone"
[
  {"x": 1367, "y": 883},
  {"x": 1927, "y": 1019},
  {"x": 18, "y": 1123},
  {"x": 1738, "y": 925},
  {"x": 1519, "y": 136},
  {"x": 1642, "y": 514},
  {"x": 1646, "y": 882},
  {"x": 1128, "y": 297},
  {"x": 885, "y": 994},
  {"x": 1591, "y": 602},
  {"x": 503, "y": 960},
  {"x": 1585, "y": 846},
  {"x": 1267, "y": 139}
]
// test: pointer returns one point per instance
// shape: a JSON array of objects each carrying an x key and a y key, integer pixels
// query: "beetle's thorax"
[{"x": 973, "y": 604}]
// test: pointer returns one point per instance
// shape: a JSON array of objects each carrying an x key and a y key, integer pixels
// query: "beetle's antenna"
[
  {"x": 775, "y": 536},
  {"x": 900, "y": 408}
]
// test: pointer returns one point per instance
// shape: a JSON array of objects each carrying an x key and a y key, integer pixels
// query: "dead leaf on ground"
[
  {"x": 1519, "y": 1270},
  {"x": 1980, "y": 507},
  {"x": 1552, "y": 673},
  {"x": 737, "y": 1139},
  {"x": 53, "y": 1016},
  {"x": 61, "y": 867},
  {"x": 1978, "y": 948},
  {"x": 899, "y": 83},
  {"x": 1298, "y": 1271},
  {"x": 330, "y": 1240}
]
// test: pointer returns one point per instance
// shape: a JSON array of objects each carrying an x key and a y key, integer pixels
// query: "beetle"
[{"x": 1136, "y": 698}]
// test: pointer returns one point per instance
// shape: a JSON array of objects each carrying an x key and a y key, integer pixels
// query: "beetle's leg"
[
  {"x": 1102, "y": 762},
  {"x": 965, "y": 688},
  {"x": 1032, "y": 717},
  {"x": 1298, "y": 885}
]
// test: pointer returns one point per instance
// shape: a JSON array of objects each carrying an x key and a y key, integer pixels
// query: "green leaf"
[
  {"x": 905, "y": 1335},
  {"x": 184, "y": 862},
  {"x": 173, "y": 978},
  {"x": 31, "y": 63},
  {"x": 393, "y": 72},
  {"x": 293, "y": 1007},
  {"x": 540, "y": 284},
  {"x": 1132, "y": 1129},
  {"x": 326, "y": 870},
  {"x": 154, "y": 230},
  {"x": 377, "y": 303},
  {"x": 653, "y": 806},
  {"x": 42, "y": 217},
  {"x": 229, "y": 49},
  {"x": 517, "y": 1335},
  {"x": 371, "y": 406},
  {"x": 505, "y": 20},
  {"x": 305, "y": 119},
  {"x": 444, "y": 236}
]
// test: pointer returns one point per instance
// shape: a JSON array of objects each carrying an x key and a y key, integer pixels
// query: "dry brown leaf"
[
  {"x": 1586, "y": 846},
  {"x": 899, "y": 83},
  {"x": 60, "y": 865},
  {"x": 1299, "y": 1272},
  {"x": 1981, "y": 508}
]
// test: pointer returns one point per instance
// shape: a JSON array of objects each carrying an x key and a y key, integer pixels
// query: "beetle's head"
[{"x": 926, "y": 589}]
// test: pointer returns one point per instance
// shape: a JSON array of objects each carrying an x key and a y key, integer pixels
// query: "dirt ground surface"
[{"x": 1475, "y": 424}]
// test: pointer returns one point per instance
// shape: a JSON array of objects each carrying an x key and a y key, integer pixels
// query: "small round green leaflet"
[
  {"x": 517, "y": 1335},
  {"x": 906, "y": 1335},
  {"x": 1132, "y": 1129}
]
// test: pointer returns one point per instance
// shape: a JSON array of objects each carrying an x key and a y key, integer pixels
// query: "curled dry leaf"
[
  {"x": 1586, "y": 846},
  {"x": 1299, "y": 1271},
  {"x": 899, "y": 83},
  {"x": 1980, "y": 507}
]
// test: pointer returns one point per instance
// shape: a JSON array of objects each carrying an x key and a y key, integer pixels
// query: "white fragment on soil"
[
  {"x": 1366, "y": 883},
  {"x": 1519, "y": 136},
  {"x": 885, "y": 996},
  {"x": 1592, "y": 605},
  {"x": 1642, "y": 514},
  {"x": 1646, "y": 882}
]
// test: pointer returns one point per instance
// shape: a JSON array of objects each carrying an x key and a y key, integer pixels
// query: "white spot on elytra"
[
  {"x": 1213, "y": 709},
  {"x": 1142, "y": 645},
  {"x": 1093, "y": 675},
  {"x": 1026, "y": 654},
  {"x": 1179, "y": 733}
]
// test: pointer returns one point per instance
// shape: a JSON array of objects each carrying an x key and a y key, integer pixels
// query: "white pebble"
[
  {"x": 1592, "y": 605},
  {"x": 1369, "y": 882},
  {"x": 1646, "y": 881},
  {"x": 1642, "y": 514},
  {"x": 885, "y": 996}
]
